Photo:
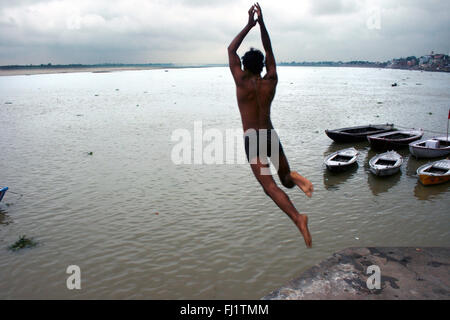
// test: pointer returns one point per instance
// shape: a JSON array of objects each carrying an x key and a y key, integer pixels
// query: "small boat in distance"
[
  {"x": 385, "y": 164},
  {"x": 359, "y": 133},
  {"x": 394, "y": 139},
  {"x": 341, "y": 160},
  {"x": 2, "y": 192},
  {"x": 431, "y": 148},
  {"x": 434, "y": 172}
]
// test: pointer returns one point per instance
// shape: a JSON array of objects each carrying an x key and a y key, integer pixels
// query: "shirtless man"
[{"x": 254, "y": 96}]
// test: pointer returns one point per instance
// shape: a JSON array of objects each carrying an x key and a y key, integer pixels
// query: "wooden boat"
[
  {"x": 2, "y": 192},
  {"x": 432, "y": 148},
  {"x": 341, "y": 160},
  {"x": 353, "y": 134},
  {"x": 434, "y": 172},
  {"x": 386, "y": 164},
  {"x": 394, "y": 139}
]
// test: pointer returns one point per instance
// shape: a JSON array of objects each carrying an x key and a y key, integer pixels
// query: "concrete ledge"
[{"x": 406, "y": 273}]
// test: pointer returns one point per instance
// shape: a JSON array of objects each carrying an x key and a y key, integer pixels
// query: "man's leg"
[
  {"x": 282, "y": 200},
  {"x": 291, "y": 178}
]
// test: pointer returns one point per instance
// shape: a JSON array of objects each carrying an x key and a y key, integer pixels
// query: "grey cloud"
[
  {"x": 208, "y": 3},
  {"x": 333, "y": 7},
  {"x": 139, "y": 31}
]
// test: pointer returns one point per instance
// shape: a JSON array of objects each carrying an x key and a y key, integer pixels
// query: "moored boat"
[
  {"x": 359, "y": 133},
  {"x": 434, "y": 172},
  {"x": 341, "y": 160},
  {"x": 385, "y": 164},
  {"x": 2, "y": 192},
  {"x": 431, "y": 148},
  {"x": 394, "y": 139}
]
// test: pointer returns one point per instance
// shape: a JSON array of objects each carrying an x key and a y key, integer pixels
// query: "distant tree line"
[
  {"x": 334, "y": 63},
  {"x": 56, "y": 66}
]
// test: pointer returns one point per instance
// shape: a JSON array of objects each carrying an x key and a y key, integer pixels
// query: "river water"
[{"x": 90, "y": 159}]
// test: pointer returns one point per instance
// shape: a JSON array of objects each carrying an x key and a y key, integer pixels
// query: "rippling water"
[{"x": 216, "y": 234}]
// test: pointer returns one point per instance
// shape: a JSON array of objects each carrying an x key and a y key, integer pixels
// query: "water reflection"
[
  {"x": 5, "y": 219},
  {"x": 413, "y": 164},
  {"x": 332, "y": 180},
  {"x": 382, "y": 184},
  {"x": 422, "y": 192}
]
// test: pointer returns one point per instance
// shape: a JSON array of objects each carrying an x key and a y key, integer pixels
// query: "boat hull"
[
  {"x": 419, "y": 149},
  {"x": 434, "y": 173},
  {"x": 341, "y": 168},
  {"x": 355, "y": 134},
  {"x": 384, "y": 142},
  {"x": 384, "y": 172},
  {"x": 342, "y": 160},
  {"x": 428, "y": 153},
  {"x": 385, "y": 164},
  {"x": 430, "y": 180}
]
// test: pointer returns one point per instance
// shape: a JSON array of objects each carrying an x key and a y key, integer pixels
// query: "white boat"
[
  {"x": 385, "y": 164},
  {"x": 342, "y": 159},
  {"x": 434, "y": 172},
  {"x": 431, "y": 148}
]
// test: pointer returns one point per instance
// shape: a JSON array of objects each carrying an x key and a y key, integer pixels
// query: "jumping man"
[{"x": 254, "y": 96}]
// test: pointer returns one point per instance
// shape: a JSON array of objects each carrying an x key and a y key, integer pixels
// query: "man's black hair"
[{"x": 253, "y": 61}]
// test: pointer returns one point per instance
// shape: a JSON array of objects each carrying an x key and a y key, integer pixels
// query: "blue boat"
[{"x": 2, "y": 192}]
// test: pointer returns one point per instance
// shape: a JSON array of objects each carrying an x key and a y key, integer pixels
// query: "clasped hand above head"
[{"x": 255, "y": 8}]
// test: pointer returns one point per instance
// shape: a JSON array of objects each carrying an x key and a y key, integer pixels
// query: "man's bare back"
[{"x": 254, "y": 96}]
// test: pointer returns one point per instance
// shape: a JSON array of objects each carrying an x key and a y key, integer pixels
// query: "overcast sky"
[{"x": 198, "y": 31}]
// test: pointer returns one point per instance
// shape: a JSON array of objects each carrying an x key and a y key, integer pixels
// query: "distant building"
[{"x": 424, "y": 59}]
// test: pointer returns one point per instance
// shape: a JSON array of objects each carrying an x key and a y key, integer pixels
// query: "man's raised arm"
[
  {"x": 270, "y": 59},
  {"x": 233, "y": 58}
]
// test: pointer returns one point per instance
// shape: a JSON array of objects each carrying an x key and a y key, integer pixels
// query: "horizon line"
[{"x": 112, "y": 64}]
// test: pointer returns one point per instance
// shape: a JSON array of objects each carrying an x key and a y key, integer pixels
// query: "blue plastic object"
[{"x": 2, "y": 192}]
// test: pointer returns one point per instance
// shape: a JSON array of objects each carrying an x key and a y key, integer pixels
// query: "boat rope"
[
  {"x": 19, "y": 194},
  {"x": 425, "y": 130},
  {"x": 15, "y": 193}
]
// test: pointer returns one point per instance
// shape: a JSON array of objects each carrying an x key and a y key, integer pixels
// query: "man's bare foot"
[
  {"x": 302, "y": 224},
  {"x": 303, "y": 183}
]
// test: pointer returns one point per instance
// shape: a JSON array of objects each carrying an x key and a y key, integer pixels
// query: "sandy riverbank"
[{"x": 33, "y": 71}]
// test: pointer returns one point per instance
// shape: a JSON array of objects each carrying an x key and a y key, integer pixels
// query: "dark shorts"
[{"x": 252, "y": 143}]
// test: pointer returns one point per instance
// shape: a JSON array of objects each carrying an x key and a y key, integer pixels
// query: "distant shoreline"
[
  {"x": 23, "y": 71},
  {"x": 432, "y": 62}
]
